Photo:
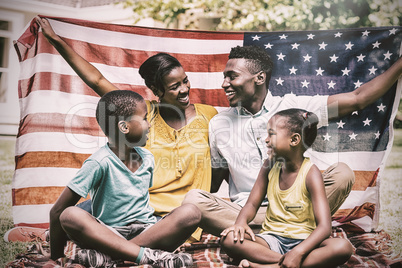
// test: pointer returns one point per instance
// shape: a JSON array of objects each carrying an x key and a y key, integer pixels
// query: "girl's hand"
[
  {"x": 47, "y": 29},
  {"x": 292, "y": 259},
  {"x": 239, "y": 230}
]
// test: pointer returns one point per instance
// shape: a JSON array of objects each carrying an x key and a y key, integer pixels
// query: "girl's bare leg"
[
  {"x": 256, "y": 251},
  {"x": 331, "y": 253}
]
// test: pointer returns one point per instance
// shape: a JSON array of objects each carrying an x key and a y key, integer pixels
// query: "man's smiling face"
[{"x": 239, "y": 83}]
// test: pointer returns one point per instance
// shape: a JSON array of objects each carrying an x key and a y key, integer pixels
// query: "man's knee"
[
  {"x": 339, "y": 176},
  {"x": 347, "y": 176},
  {"x": 338, "y": 179},
  {"x": 188, "y": 215},
  {"x": 194, "y": 196}
]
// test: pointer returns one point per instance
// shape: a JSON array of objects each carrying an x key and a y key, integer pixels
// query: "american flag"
[
  {"x": 58, "y": 130},
  {"x": 331, "y": 62}
]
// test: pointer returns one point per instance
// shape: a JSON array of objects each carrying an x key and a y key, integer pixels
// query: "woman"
[{"x": 178, "y": 135}]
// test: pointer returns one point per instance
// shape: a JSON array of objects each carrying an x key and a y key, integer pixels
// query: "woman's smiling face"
[{"x": 177, "y": 88}]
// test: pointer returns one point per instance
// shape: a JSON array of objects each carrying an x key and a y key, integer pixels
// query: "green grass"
[
  {"x": 390, "y": 191},
  {"x": 391, "y": 194},
  {"x": 8, "y": 251}
]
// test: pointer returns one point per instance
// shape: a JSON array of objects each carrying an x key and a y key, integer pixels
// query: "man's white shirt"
[{"x": 237, "y": 138}]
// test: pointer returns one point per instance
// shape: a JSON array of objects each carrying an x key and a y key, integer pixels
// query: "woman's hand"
[
  {"x": 239, "y": 230},
  {"x": 47, "y": 29}
]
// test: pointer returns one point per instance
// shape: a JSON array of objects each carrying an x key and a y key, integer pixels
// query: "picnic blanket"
[{"x": 373, "y": 249}]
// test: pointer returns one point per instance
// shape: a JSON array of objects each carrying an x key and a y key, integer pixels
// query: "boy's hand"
[
  {"x": 239, "y": 230},
  {"x": 47, "y": 29}
]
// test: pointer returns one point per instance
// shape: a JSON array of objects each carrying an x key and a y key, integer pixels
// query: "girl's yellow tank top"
[{"x": 289, "y": 212}]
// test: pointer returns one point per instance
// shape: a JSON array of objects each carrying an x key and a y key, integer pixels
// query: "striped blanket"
[{"x": 372, "y": 249}]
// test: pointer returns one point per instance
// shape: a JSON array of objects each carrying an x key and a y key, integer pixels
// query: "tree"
[{"x": 275, "y": 15}]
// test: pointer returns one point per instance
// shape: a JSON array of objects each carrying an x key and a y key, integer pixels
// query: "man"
[{"x": 237, "y": 135}]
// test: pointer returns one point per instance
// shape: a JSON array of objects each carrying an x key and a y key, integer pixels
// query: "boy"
[{"x": 117, "y": 177}]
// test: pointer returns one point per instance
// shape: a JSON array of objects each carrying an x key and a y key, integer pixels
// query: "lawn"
[
  {"x": 390, "y": 213},
  {"x": 7, "y": 250}
]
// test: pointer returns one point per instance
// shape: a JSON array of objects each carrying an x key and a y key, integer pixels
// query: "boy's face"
[
  {"x": 239, "y": 83},
  {"x": 138, "y": 125},
  {"x": 278, "y": 139}
]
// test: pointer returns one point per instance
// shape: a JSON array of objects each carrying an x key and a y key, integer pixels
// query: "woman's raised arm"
[{"x": 88, "y": 73}]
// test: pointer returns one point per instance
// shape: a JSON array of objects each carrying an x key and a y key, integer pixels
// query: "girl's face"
[
  {"x": 138, "y": 125},
  {"x": 279, "y": 139},
  {"x": 177, "y": 89}
]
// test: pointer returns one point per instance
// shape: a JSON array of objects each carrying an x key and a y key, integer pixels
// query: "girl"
[{"x": 297, "y": 227}]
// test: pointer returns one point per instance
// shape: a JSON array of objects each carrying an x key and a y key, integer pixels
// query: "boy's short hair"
[
  {"x": 302, "y": 122},
  {"x": 115, "y": 106},
  {"x": 257, "y": 59}
]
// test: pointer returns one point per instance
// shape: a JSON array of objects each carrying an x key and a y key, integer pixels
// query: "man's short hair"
[
  {"x": 115, "y": 106},
  {"x": 257, "y": 59}
]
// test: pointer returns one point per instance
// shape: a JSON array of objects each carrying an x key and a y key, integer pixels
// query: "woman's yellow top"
[
  {"x": 289, "y": 212},
  {"x": 182, "y": 157}
]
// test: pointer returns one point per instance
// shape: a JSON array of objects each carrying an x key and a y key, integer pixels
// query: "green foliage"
[
  {"x": 275, "y": 15},
  {"x": 398, "y": 118}
]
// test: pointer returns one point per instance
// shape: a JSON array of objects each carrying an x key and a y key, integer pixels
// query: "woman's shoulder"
[
  {"x": 151, "y": 103},
  {"x": 205, "y": 110}
]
